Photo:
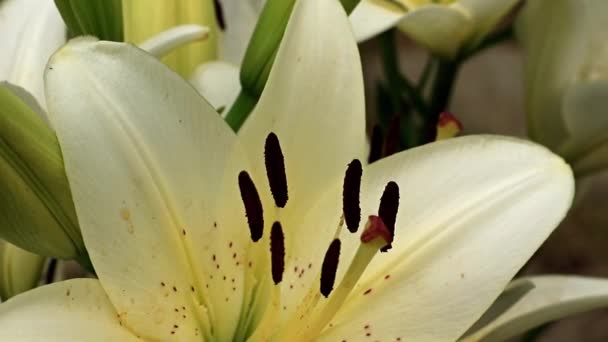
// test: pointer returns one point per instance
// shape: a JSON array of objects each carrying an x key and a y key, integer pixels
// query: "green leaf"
[
  {"x": 102, "y": 19},
  {"x": 265, "y": 41},
  {"x": 36, "y": 208}
]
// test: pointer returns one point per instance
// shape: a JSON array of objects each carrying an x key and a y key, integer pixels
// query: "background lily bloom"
[
  {"x": 566, "y": 77},
  {"x": 30, "y": 31},
  {"x": 445, "y": 27},
  {"x": 197, "y": 233}
]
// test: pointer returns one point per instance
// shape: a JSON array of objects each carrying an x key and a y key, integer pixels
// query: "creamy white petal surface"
[
  {"x": 442, "y": 29},
  {"x": 532, "y": 301},
  {"x": 30, "y": 31},
  {"x": 314, "y": 102},
  {"x": 371, "y": 17},
  {"x": 69, "y": 311},
  {"x": 218, "y": 82},
  {"x": 472, "y": 211},
  {"x": 157, "y": 179},
  {"x": 240, "y": 18},
  {"x": 146, "y": 157}
]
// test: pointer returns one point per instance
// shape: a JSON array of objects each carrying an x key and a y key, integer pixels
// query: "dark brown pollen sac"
[
  {"x": 277, "y": 252},
  {"x": 389, "y": 205},
  {"x": 253, "y": 206},
  {"x": 350, "y": 195},
  {"x": 275, "y": 170},
  {"x": 329, "y": 267}
]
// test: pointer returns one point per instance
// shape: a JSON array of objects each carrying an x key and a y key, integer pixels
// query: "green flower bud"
[
  {"x": 36, "y": 208},
  {"x": 260, "y": 55},
  {"x": 19, "y": 270},
  {"x": 102, "y": 19},
  {"x": 143, "y": 19}
]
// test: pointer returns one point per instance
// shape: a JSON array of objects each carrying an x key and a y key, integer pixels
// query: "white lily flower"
[
  {"x": 530, "y": 302},
  {"x": 199, "y": 234},
  {"x": 218, "y": 80},
  {"x": 567, "y": 78},
  {"x": 446, "y": 27},
  {"x": 30, "y": 31},
  {"x": 19, "y": 270}
]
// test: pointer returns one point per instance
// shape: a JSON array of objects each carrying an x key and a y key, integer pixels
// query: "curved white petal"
[
  {"x": 587, "y": 123},
  {"x": 554, "y": 37},
  {"x": 166, "y": 41},
  {"x": 69, "y": 311},
  {"x": 153, "y": 170},
  {"x": 532, "y": 301},
  {"x": 142, "y": 21},
  {"x": 584, "y": 108},
  {"x": 485, "y": 14},
  {"x": 219, "y": 84},
  {"x": 313, "y": 102},
  {"x": 30, "y": 31},
  {"x": 442, "y": 29},
  {"x": 240, "y": 18},
  {"x": 372, "y": 17},
  {"x": 472, "y": 211}
]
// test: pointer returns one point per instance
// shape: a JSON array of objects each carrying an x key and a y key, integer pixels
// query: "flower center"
[{"x": 323, "y": 301}]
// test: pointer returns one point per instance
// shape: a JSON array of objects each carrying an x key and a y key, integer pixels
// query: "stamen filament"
[
  {"x": 375, "y": 237},
  {"x": 365, "y": 254}
]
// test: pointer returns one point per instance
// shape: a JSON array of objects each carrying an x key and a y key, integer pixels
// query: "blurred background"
[{"x": 488, "y": 98}]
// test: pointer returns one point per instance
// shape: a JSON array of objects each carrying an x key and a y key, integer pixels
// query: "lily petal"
[
  {"x": 585, "y": 109},
  {"x": 241, "y": 17},
  {"x": 31, "y": 30},
  {"x": 72, "y": 310},
  {"x": 219, "y": 84},
  {"x": 167, "y": 41},
  {"x": 313, "y": 102},
  {"x": 485, "y": 14},
  {"x": 442, "y": 29},
  {"x": 372, "y": 17},
  {"x": 142, "y": 21},
  {"x": 472, "y": 211},
  {"x": 553, "y": 35},
  {"x": 532, "y": 301},
  {"x": 153, "y": 169},
  {"x": 585, "y": 117}
]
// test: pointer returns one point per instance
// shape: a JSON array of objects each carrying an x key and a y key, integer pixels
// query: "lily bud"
[
  {"x": 102, "y": 19},
  {"x": 263, "y": 45},
  {"x": 143, "y": 20},
  {"x": 36, "y": 208},
  {"x": 446, "y": 27},
  {"x": 19, "y": 270},
  {"x": 566, "y": 74},
  {"x": 265, "y": 41},
  {"x": 448, "y": 126}
]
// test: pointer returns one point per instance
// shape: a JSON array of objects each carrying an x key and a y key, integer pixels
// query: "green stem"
[
  {"x": 441, "y": 93},
  {"x": 391, "y": 67},
  {"x": 426, "y": 75},
  {"x": 397, "y": 82},
  {"x": 240, "y": 110}
]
